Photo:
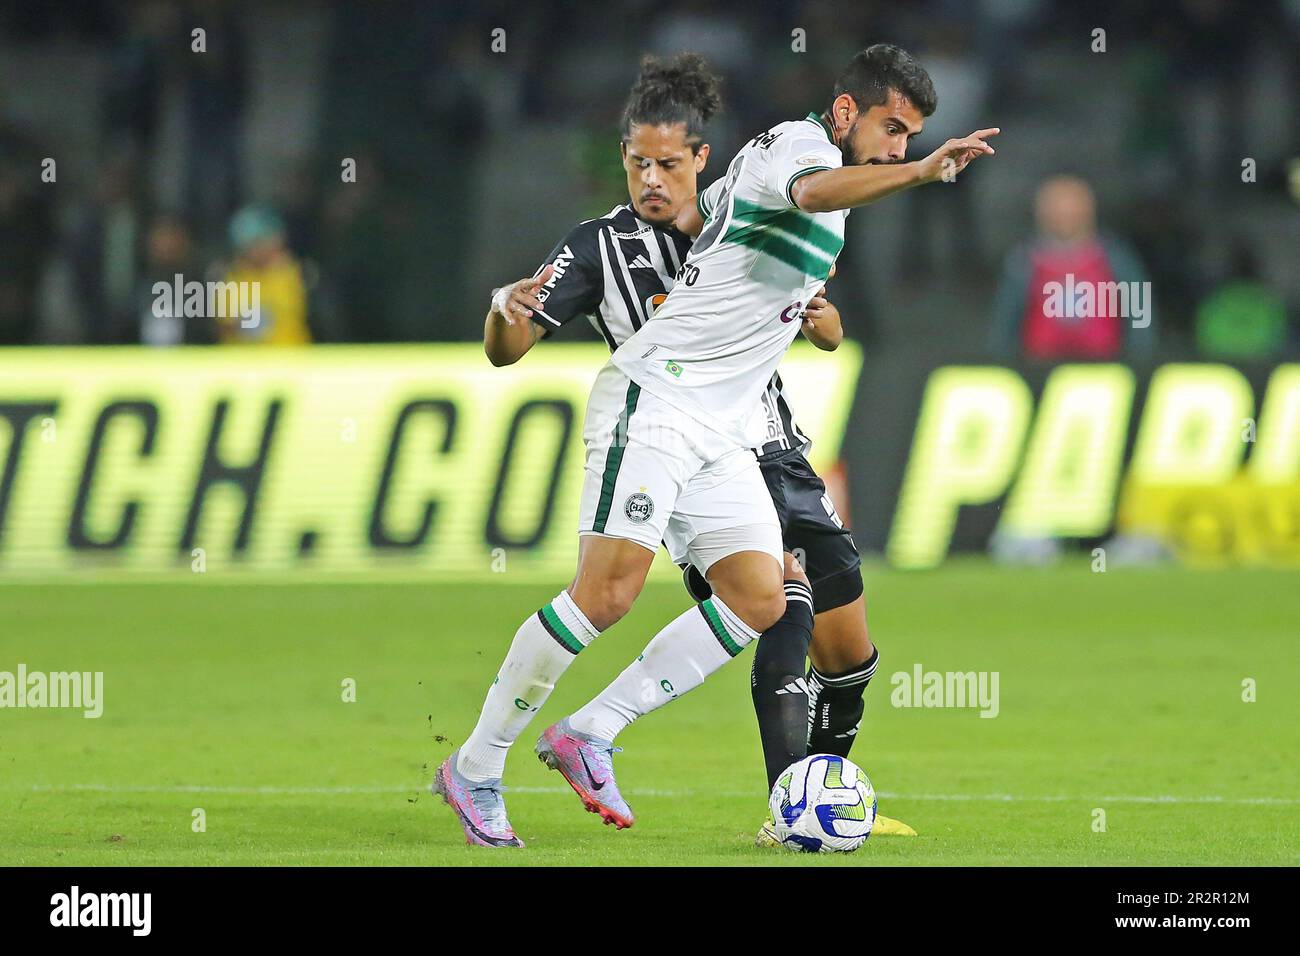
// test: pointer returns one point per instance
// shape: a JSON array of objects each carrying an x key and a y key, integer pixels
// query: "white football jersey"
[{"x": 737, "y": 304}]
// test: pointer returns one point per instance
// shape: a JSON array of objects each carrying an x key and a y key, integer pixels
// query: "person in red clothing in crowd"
[{"x": 1071, "y": 292}]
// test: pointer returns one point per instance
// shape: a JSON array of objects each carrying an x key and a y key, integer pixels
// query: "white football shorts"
[{"x": 654, "y": 474}]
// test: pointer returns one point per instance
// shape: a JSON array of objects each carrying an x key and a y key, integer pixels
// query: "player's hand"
[
  {"x": 821, "y": 323},
  {"x": 519, "y": 300},
  {"x": 820, "y": 311},
  {"x": 955, "y": 155}
]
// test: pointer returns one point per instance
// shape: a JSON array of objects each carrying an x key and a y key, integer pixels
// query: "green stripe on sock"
[
  {"x": 555, "y": 627},
  {"x": 719, "y": 631},
  {"x": 614, "y": 458}
]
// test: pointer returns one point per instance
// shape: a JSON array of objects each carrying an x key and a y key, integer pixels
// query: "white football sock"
[
  {"x": 544, "y": 647},
  {"x": 674, "y": 663}
]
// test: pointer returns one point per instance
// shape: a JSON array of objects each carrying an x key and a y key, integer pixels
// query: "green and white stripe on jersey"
[
  {"x": 790, "y": 235},
  {"x": 739, "y": 210}
]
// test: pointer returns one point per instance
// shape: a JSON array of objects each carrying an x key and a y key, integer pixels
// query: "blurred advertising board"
[
  {"x": 425, "y": 458},
  {"x": 1199, "y": 460},
  {"x": 332, "y": 458}
]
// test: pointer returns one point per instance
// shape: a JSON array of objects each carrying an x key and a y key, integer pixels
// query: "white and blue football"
[{"x": 823, "y": 804}]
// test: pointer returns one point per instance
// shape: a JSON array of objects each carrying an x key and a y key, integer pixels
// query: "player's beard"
[{"x": 849, "y": 155}]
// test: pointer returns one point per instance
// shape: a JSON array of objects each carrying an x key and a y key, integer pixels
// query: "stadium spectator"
[
  {"x": 168, "y": 252},
  {"x": 423, "y": 95},
  {"x": 1054, "y": 300},
  {"x": 357, "y": 235},
  {"x": 1243, "y": 318},
  {"x": 267, "y": 269},
  {"x": 103, "y": 254},
  {"x": 26, "y": 233}
]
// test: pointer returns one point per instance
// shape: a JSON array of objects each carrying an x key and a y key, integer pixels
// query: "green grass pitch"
[{"x": 1119, "y": 691}]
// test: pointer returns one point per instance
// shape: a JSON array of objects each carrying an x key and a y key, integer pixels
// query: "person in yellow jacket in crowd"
[{"x": 275, "y": 282}]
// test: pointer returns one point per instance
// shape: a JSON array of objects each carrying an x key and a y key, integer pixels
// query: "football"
[{"x": 823, "y": 804}]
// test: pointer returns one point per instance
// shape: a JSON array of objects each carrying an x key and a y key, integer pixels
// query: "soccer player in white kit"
[{"x": 668, "y": 454}]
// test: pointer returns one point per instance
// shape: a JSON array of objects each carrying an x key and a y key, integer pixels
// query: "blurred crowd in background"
[{"x": 1164, "y": 148}]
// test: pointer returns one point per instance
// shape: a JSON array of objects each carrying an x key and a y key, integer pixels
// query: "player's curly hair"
[
  {"x": 883, "y": 67},
  {"x": 680, "y": 90}
]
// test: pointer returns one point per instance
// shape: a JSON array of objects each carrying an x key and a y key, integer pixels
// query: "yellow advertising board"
[
  {"x": 326, "y": 458},
  {"x": 1206, "y": 479}
]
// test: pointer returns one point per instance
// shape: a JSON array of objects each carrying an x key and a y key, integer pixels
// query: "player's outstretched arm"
[
  {"x": 821, "y": 323},
  {"x": 508, "y": 333},
  {"x": 851, "y": 186}
]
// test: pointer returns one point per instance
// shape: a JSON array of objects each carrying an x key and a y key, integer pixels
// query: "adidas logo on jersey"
[
  {"x": 640, "y": 262},
  {"x": 797, "y": 686}
]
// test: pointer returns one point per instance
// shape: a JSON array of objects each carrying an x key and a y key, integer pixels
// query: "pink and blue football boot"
[
  {"x": 478, "y": 806},
  {"x": 587, "y": 763}
]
